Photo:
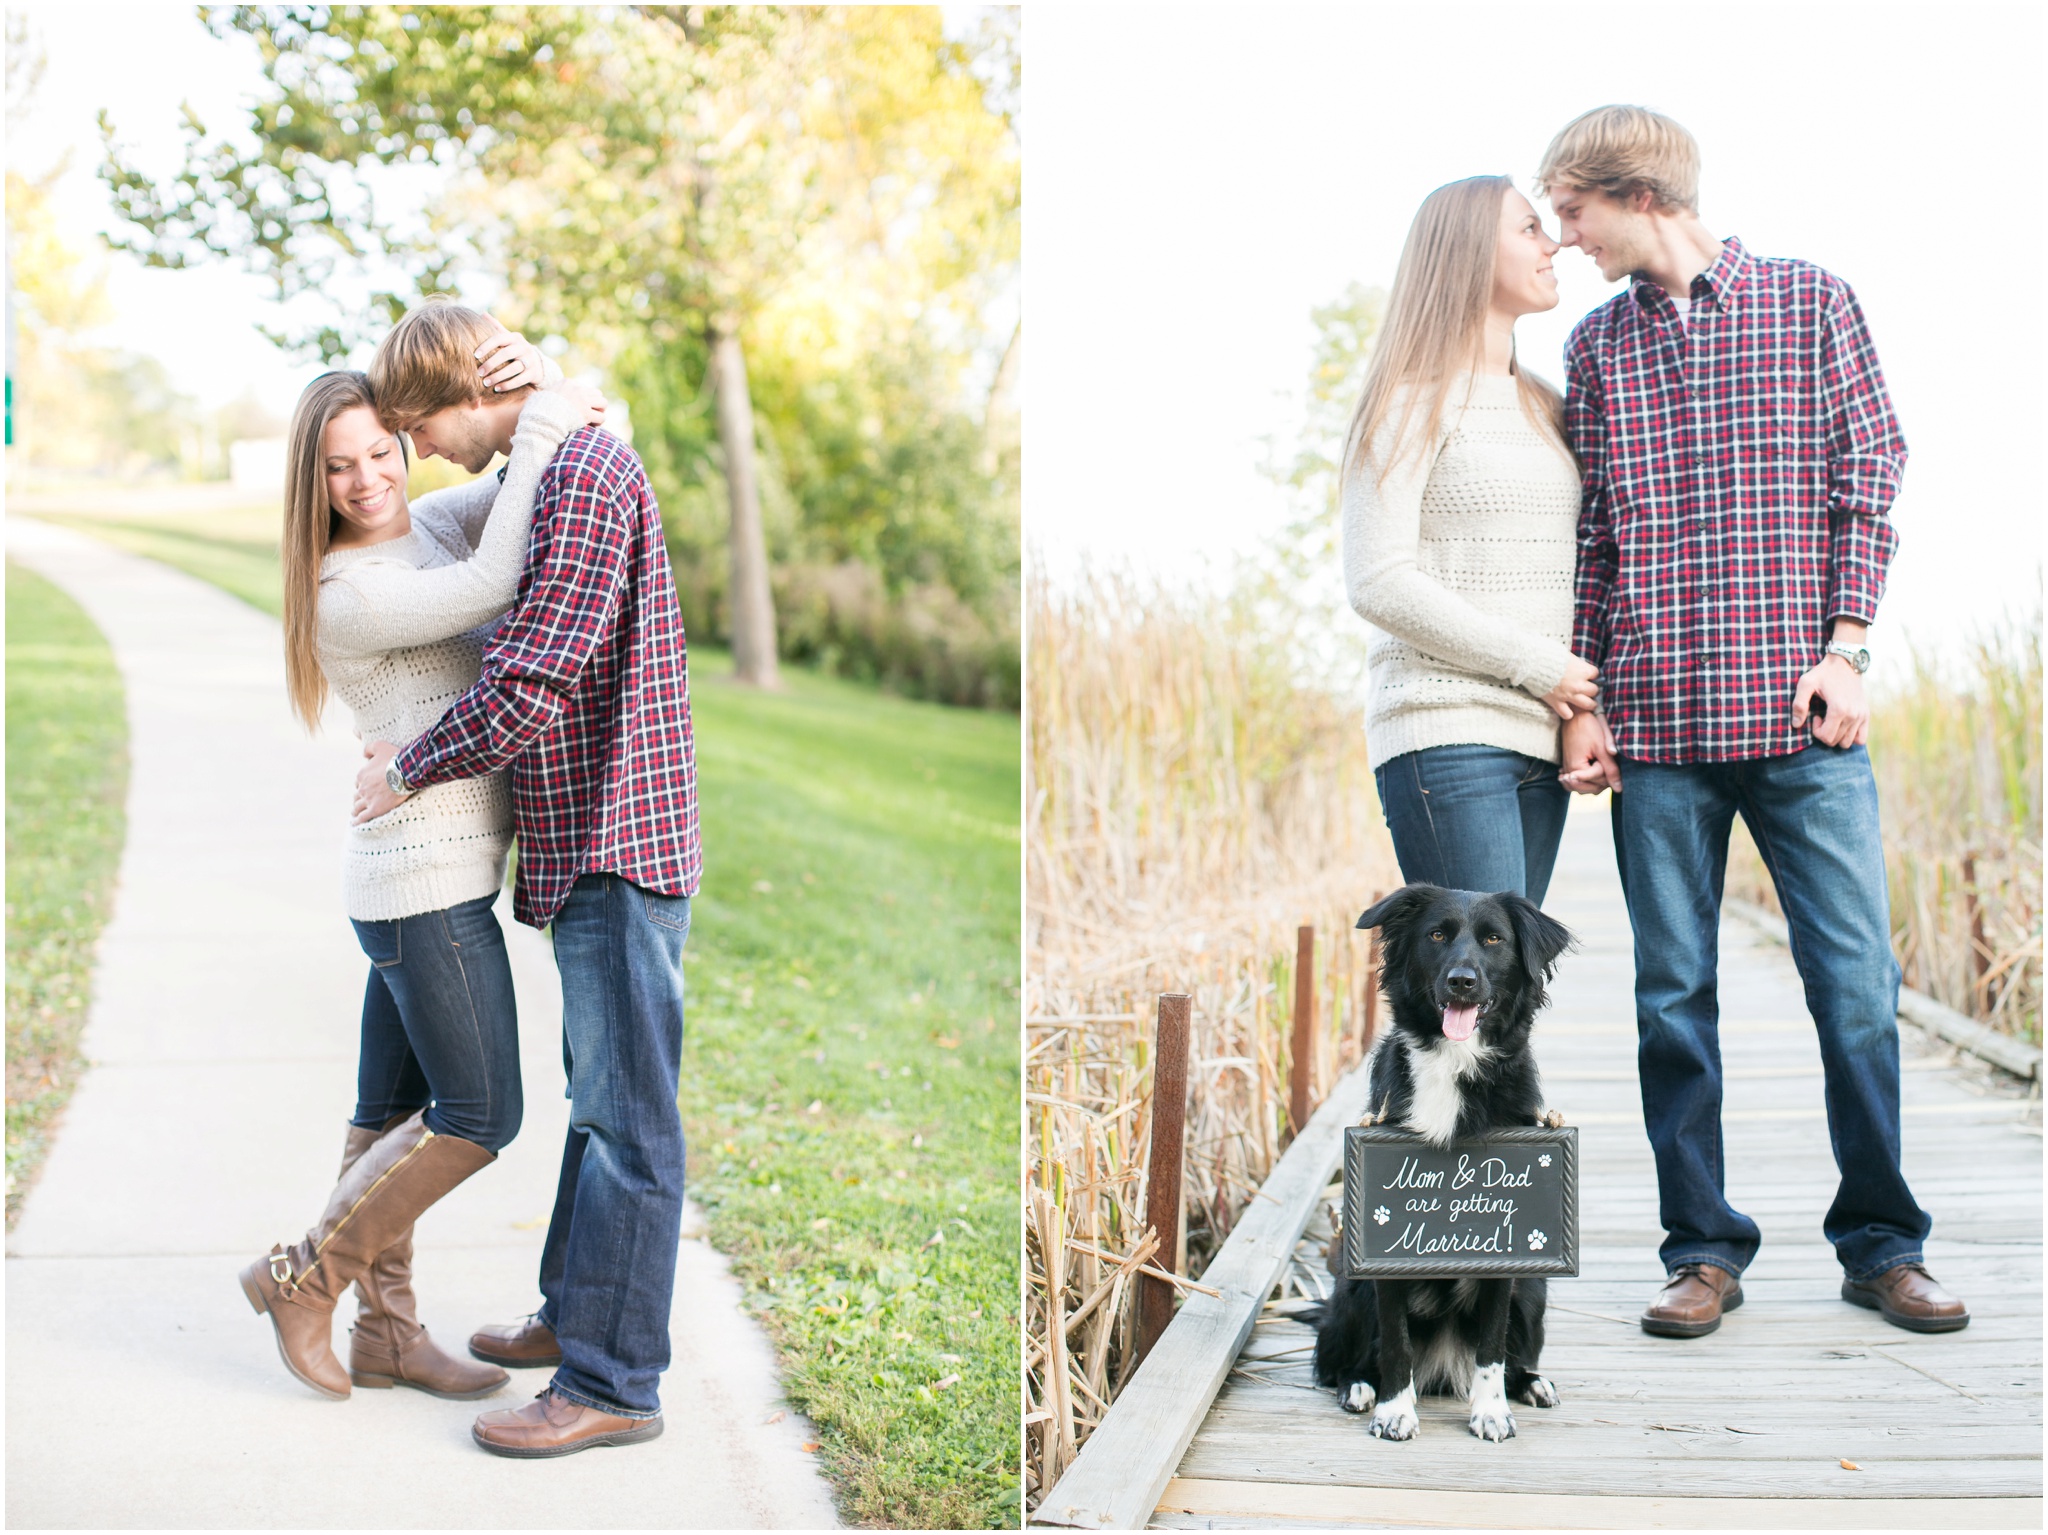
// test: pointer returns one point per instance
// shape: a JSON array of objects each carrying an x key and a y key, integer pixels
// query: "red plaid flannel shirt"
[
  {"x": 1737, "y": 479},
  {"x": 585, "y": 692}
]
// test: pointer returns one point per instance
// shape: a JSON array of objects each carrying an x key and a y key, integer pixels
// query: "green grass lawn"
[
  {"x": 67, "y": 778},
  {"x": 850, "y": 1081},
  {"x": 236, "y": 550},
  {"x": 850, "y": 1070}
]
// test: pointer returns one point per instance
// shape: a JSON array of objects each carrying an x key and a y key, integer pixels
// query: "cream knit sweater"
[
  {"x": 1462, "y": 560},
  {"x": 401, "y": 634}
]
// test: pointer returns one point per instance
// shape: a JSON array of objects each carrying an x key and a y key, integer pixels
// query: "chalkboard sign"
[{"x": 1508, "y": 1204}]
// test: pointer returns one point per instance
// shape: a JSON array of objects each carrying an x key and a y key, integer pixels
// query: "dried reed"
[
  {"x": 1190, "y": 801},
  {"x": 1958, "y": 766}
]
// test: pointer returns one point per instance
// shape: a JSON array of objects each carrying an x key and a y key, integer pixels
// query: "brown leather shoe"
[
  {"x": 388, "y": 1186},
  {"x": 388, "y": 1346},
  {"x": 553, "y": 1425},
  {"x": 1908, "y": 1297},
  {"x": 1691, "y": 1302},
  {"x": 521, "y": 1345}
]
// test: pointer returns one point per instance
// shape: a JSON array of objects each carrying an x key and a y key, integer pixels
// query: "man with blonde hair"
[
  {"x": 585, "y": 697},
  {"x": 1739, "y": 457}
]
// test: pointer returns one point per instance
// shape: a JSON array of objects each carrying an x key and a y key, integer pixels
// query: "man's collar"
[{"x": 1723, "y": 280}]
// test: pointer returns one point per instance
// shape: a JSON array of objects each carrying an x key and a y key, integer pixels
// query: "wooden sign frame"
[{"x": 1387, "y": 1168}]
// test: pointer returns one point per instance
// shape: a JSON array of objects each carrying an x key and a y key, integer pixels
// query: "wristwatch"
[
  {"x": 394, "y": 782},
  {"x": 1859, "y": 657}
]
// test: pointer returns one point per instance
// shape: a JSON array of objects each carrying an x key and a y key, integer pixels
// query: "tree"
[
  {"x": 1300, "y": 591},
  {"x": 653, "y": 176},
  {"x": 76, "y": 406}
]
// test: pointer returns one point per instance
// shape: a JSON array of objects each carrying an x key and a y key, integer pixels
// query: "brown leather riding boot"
[
  {"x": 394, "y": 1179},
  {"x": 388, "y": 1346}
]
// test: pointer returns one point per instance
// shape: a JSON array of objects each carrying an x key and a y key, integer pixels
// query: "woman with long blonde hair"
[
  {"x": 387, "y": 604},
  {"x": 1460, "y": 515}
]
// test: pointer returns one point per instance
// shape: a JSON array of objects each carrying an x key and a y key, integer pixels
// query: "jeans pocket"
[
  {"x": 382, "y": 941},
  {"x": 670, "y": 911}
]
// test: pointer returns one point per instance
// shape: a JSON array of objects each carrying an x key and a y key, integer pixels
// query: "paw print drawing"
[
  {"x": 1536, "y": 1241},
  {"x": 1381, "y": 1215},
  {"x": 1544, "y": 1160}
]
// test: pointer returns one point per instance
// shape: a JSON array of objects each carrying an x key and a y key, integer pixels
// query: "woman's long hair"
[
  {"x": 1435, "y": 329},
  {"x": 308, "y": 529}
]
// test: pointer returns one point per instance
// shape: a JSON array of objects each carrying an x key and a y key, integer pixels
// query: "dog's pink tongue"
[{"x": 1459, "y": 1022}]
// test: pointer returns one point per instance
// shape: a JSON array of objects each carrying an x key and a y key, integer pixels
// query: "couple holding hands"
[
  {"x": 1659, "y": 583},
  {"x": 513, "y": 655}
]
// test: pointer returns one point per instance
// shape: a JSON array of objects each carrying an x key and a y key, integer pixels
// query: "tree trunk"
[
  {"x": 999, "y": 416},
  {"x": 750, "y": 602}
]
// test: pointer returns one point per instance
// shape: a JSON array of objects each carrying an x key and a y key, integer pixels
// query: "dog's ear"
[
  {"x": 1543, "y": 940},
  {"x": 1403, "y": 903}
]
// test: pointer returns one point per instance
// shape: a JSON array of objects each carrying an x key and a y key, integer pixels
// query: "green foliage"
[
  {"x": 1294, "y": 592},
  {"x": 79, "y": 406},
  {"x": 836, "y": 185},
  {"x": 851, "y": 1075},
  {"x": 892, "y": 561},
  {"x": 67, "y": 779},
  {"x": 1345, "y": 330}
]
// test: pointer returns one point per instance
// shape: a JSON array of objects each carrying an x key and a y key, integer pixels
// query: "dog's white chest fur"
[{"x": 1434, "y": 1075}]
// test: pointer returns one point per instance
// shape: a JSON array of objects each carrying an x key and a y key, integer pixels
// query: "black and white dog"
[{"x": 1464, "y": 977}]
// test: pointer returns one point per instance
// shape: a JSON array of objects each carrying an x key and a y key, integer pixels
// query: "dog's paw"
[
  {"x": 1395, "y": 1419},
  {"x": 1552, "y": 1120},
  {"x": 1538, "y": 1392},
  {"x": 1358, "y": 1396},
  {"x": 1491, "y": 1418},
  {"x": 1491, "y": 1421}
]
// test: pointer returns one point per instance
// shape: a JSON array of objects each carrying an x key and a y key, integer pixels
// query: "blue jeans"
[
  {"x": 440, "y": 1028},
  {"x": 608, "y": 1271},
  {"x": 1474, "y": 818},
  {"x": 1813, "y": 816}
]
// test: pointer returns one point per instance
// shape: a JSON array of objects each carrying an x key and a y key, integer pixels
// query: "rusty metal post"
[
  {"x": 1163, "y": 1168},
  {"x": 1301, "y": 1071}
]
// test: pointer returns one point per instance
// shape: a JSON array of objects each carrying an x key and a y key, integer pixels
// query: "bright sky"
[
  {"x": 1199, "y": 177},
  {"x": 140, "y": 62}
]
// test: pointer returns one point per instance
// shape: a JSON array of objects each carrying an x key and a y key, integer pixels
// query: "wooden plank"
[
  {"x": 1115, "y": 1482},
  {"x": 1672, "y": 1470},
  {"x": 1210, "y": 1504},
  {"x": 1256, "y": 1431},
  {"x": 1749, "y": 1416}
]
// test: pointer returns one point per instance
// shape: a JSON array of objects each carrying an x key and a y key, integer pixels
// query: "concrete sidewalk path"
[{"x": 141, "y": 1389}]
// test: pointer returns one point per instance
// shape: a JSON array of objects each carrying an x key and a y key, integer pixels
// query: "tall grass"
[
  {"x": 1956, "y": 749},
  {"x": 1190, "y": 800}
]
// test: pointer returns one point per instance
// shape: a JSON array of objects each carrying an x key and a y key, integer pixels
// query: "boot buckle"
[{"x": 281, "y": 1268}]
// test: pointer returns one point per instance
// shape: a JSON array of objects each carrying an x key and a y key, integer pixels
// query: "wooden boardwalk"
[{"x": 1749, "y": 1426}]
